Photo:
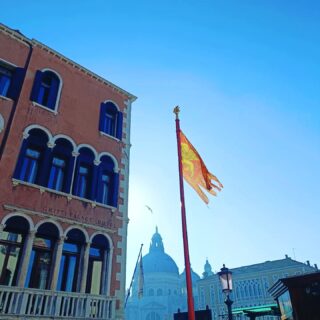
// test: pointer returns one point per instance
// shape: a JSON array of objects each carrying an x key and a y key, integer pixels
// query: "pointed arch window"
[
  {"x": 61, "y": 166},
  {"x": 41, "y": 258},
  {"x": 12, "y": 240},
  {"x": 45, "y": 89},
  {"x": 108, "y": 183},
  {"x": 29, "y": 166},
  {"x": 68, "y": 279},
  {"x": 97, "y": 266},
  {"x": 110, "y": 120},
  {"x": 84, "y": 175}
]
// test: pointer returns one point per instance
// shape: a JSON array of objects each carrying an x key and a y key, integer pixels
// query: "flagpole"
[
  {"x": 191, "y": 314},
  {"x": 134, "y": 272}
]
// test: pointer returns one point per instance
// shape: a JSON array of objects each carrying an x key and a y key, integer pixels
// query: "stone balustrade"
[{"x": 24, "y": 303}]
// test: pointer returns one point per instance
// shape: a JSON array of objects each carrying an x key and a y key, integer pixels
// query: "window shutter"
[
  {"x": 52, "y": 99},
  {"x": 69, "y": 172},
  {"x": 115, "y": 191},
  {"x": 36, "y": 86},
  {"x": 75, "y": 186},
  {"x": 23, "y": 149},
  {"x": 44, "y": 167},
  {"x": 93, "y": 182},
  {"x": 119, "y": 125},
  {"x": 102, "y": 115},
  {"x": 16, "y": 83}
]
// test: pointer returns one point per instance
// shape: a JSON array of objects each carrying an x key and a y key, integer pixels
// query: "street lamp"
[{"x": 225, "y": 276}]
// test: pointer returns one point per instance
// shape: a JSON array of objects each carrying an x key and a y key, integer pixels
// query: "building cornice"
[{"x": 20, "y": 37}]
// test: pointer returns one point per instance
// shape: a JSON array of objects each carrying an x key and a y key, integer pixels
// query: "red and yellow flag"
[{"x": 195, "y": 171}]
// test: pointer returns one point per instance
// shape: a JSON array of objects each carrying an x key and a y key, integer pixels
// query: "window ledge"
[
  {"x": 109, "y": 136},
  {"x": 5, "y": 98},
  {"x": 70, "y": 196},
  {"x": 36, "y": 104}
]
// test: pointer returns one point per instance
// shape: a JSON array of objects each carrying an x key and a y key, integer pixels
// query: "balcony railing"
[{"x": 45, "y": 304}]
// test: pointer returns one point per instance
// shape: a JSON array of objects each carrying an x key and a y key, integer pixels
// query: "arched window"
[
  {"x": 243, "y": 295},
  {"x": 45, "y": 89},
  {"x": 250, "y": 290},
  {"x": 110, "y": 120},
  {"x": 61, "y": 166},
  {"x": 5, "y": 80},
  {"x": 83, "y": 186},
  {"x": 151, "y": 292},
  {"x": 29, "y": 166},
  {"x": 97, "y": 267},
  {"x": 40, "y": 264},
  {"x": 12, "y": 241},
  {"x": 246, "y": 291},
  {"x": 68, "y": 279},
  {"x": 153, "y": 316},
  {"x": 108, "y": 183},
  {"x": 11, "y": 79},
  {"x": 159, "y": 292}
]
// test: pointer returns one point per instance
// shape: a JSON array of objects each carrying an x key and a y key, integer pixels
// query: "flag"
[
  {"x": 140, "y": 279},
  {"x": 195, "y": 171}
]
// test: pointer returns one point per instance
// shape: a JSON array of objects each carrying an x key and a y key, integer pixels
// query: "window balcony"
[{"x": 16, "y": 303}]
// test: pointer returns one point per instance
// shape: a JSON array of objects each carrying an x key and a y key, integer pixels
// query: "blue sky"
[{"x": 247, "y": 77}]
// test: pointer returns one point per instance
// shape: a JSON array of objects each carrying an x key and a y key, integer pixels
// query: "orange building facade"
[{"x": 64, "y": 174}]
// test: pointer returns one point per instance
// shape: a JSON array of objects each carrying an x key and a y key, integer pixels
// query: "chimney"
[
  {"x": 308, "y": 262},
  {"x": 316, "y": 266},
  {"x": 286, "y": 256}
]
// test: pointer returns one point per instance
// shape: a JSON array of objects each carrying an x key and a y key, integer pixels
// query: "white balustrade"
[{"x": 46, "y": 304}]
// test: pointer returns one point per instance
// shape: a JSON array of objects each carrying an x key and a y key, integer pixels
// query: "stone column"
[
  {"x": 57, "y": 261},
  {"x": 109, "y": 270},
  {"x": 75, "y": 156},
  {"x": 104, "y": 273},
  {"x": 25, "y": 258},
  {"x": 85, "y": 267},
  {"x": 2, "y": 226}
]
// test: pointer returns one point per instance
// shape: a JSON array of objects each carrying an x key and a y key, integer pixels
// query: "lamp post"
[{"x": 225, "y": 276}]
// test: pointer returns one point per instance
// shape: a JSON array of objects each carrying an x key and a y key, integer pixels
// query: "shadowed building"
[{"x": 64, "y": 170}]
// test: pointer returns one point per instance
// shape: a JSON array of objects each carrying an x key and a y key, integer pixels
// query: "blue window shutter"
[
  {"x": 102, "y": 115},
  {"x": 52, "y": 99},
  {"x": 76, "y": 177},
  {"x": 36, "y": 86},
  {"x": 119, "y": 125},
  {"x": 68, "y": 174},
  {"x": 44, "y": 167},
  {"x": 16, "y": 83},
  {"x": 115, "y": 191},
  {"x": 98, "y": 195},
  {"x": 94, "y": 181},
  {"x": 23, "y": 149}
]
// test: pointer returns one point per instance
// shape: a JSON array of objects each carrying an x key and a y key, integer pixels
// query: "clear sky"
[{"x": 247, "y": 77}]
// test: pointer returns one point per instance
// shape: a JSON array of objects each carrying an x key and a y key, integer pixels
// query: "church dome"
[
  {"x": 194, "y": 277},
  {"x": 157, "y": 260}
]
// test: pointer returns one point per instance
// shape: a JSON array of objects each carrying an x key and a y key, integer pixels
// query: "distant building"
[
  {"x": 250, "y": 285},
  {"x": 165, "y": 289},
  {"x": 64, "y": 174}
]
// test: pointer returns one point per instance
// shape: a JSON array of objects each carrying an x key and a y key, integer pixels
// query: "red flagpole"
[{"x": 191, "y": 314}]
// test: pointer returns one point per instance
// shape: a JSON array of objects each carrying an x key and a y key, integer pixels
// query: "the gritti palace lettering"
[{"x": 108, "y": 223}]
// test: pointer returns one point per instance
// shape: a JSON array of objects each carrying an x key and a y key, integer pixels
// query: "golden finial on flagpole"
[{"x": 176, "y": 110}]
